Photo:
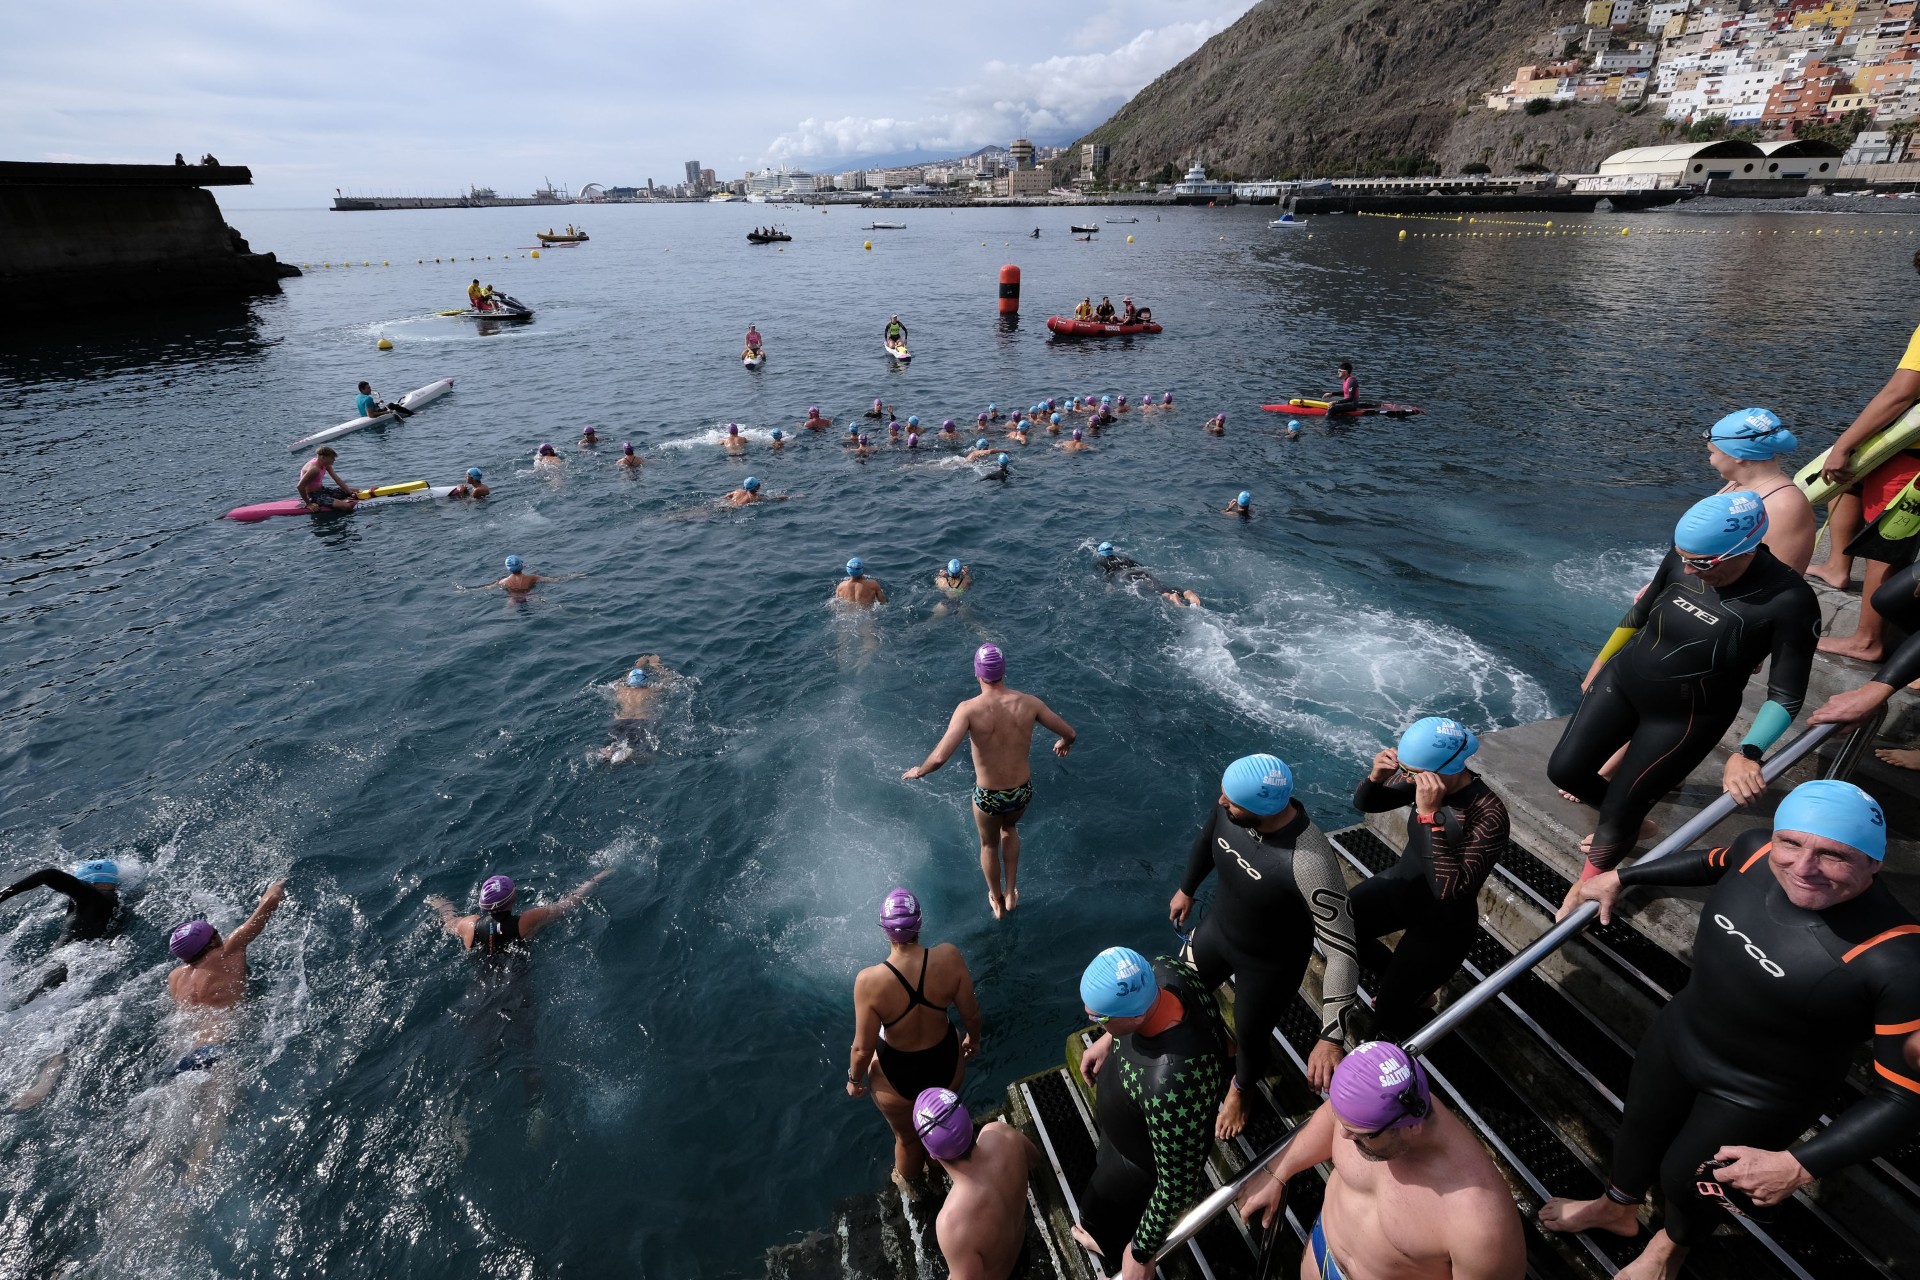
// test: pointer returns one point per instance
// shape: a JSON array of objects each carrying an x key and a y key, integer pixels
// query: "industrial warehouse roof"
[
  {"x": 1730, "y": 148},
  {"x": 1795, "y": 148}
]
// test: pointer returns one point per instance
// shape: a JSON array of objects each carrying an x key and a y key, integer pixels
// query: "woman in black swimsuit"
[{"x": 903, "y": 1040}]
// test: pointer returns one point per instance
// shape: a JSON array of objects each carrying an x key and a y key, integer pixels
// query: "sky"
[{"x": 427, "y": 97}]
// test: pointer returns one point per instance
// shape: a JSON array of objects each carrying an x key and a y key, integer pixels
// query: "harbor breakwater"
[{"x": 75, "y": 237}]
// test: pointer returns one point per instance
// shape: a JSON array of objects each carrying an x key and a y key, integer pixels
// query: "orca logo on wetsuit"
[
  {"x": 1244, "y": 864},
  {"x": 1752, "y": 950},
  {"x": 1711, "y": 619}
]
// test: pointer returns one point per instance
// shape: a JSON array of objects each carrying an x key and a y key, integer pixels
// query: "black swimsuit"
[{"x": 909, "y": 1071}]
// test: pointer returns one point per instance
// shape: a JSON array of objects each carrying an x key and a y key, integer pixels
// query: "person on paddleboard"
[
  {"x": 369, "y": 405},
  {"x": 312, "y": 489},
  {"x": 896, "y": 333},
  {"x": 472, "y": 487},
  {"x": 1349, "y": 397},
  {"x": 753, "y": 340},
  {"x": 634, "y": 697}
]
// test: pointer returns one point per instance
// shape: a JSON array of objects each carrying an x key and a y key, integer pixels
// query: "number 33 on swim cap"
[{"x": 1723, "y": 526}]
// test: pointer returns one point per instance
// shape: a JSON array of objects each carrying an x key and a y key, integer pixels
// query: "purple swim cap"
[
  {"x": 945, "y": 1128},
  {"x": 813, "y": 411},
  {"x": 900, "y": 915},
  {"x": 190, "y": 939},
  {"x": 626, "y": 446},
  {"x": 893, "y": 425},
  {"x": 546, "y": 451},
  {"x": 913, "y": 439},
  {"x": 733, "y": 428},
  {"x": 981, "y": 418},
  {"x": 876, "y": 404},
  {"x": 588, "y": 431},
  {"x": 947, "y": 425},
  {"x": 1378, "y": 1086},
  {"x": 1078, "y": 434},
  {"x": 497, "y": 892},
  {"x": 863, "y": 437},
  {"x": 989, "y": 663}
]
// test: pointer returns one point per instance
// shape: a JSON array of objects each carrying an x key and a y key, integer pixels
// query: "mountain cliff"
[{"x": 1327, "y": 88}]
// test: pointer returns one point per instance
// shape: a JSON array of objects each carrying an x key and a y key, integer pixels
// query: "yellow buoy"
[
  {"x": 385, "y": 344},
  {"x": 1549, "y": 222},
  {"x": 1403, "y": 235},
  {"x": 386, "y": 264},
  {"x": 534, "y": 254},
  {"x": 1129, "y": 239},
  {"x": 1624, "y": 230},
  {"x": 868, "y": 244}
]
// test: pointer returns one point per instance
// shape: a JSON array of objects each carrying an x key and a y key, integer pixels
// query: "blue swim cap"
[
  {"x": 1055, "y": 419},
  {"x": 636, "y": 677},
  {"x": 514, "y": 563},
  {"x": 1725, "y": 525},
  {"x": 1437, "y": 745},
  {"x": 98, "y": 871},
  {"x": 473, "y": 473},
  {"x": 992, "y": 407},
  {"x": 852, "y": 430},
  {"x": 1119, "y": 983},
  {"x": 1106, "y": 399},
  {"x": 750, "y": 484},
  {"x": 1104, "y": 549},
  {"x": 912, "y": 421},
  {"x": 1244, "y": 499},
  {"x": 981, "y": 443},
  {"x": 855, "y": 566},
  {"x": 777, "y": 435},
  {"x": 1260, "y": 784},
  {"x": 1752, "y": 434},
  {"x": 953, "y": 568},
  {"x": 1293, "y": 424},
  {"x": 1837, "y": 810},
  {"x": 1003, "y": 460}
]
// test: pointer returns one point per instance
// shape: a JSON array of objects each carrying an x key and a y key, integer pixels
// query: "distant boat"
[
  {"x": 1079, "y": 230},
  {"x": 757, "y": 237},
  {"x": 887, "y": 226},
  {"x": 1123, "y": 219},
  {"x": 568, "y": 237},
  {"x": 1287, "y": 220}
]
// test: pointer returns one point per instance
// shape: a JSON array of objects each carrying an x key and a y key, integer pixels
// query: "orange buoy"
[{"x": 1009, "y": 290}]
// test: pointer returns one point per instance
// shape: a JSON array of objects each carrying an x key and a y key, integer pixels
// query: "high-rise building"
[
  {"x": 1093, "y": 157},
  {"x": 693, "y": 174},
  {"x": 709, "y": 179},
  {"x": 1022, "y": 152}
]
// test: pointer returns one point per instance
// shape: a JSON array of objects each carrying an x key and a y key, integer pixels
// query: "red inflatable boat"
[{"x": 1070, "y": 328}]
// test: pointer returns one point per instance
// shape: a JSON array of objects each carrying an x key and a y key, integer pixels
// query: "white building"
[{"x": 1198, "y": 184}]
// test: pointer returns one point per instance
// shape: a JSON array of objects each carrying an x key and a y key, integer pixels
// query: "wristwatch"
[{"x": 1751, "y": 752}]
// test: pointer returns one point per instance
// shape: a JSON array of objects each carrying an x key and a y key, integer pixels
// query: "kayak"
[
  {"x": 1318, "y": 409},
  {"x": 753, "y": 360},
  {"x": 385, "y": 495},
  {"x": 412, "y": 400},
  {"x": 1873, "y": 451},
  {"x": 1069, "y": 328},
  {"x": 901, "y": 354}
]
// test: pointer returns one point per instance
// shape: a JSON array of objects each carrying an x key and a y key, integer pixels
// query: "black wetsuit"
[
  {"x": 1675, "y": 687},
  {"x": 1276, "y": 892},
  {"x": 1129, "y": 570},
  {"x": 1432, "y": 893},
  {"x": 1898, "y": 601},
  {"x": 1755, "y": 1044},
  {"x": 1157, "y": 1099},
  {"x": 93, "y": 912},
  {"x": 499, "y": 1009},
  {"x": 909, "y": 1071}
]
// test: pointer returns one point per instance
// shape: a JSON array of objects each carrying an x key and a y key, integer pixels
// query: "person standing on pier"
[
  {"x": 1413, "y": 1193},
  {"x": 1279, "y": 888},
  {"x": 903, "y": 1039},
  {"x": 982, "y": 1227},
  {"x": 1745, "y": 448},
  {"x": 1456, "y": 835},
  {"x": 1000, "y": 721},
  {"x": 1159, "y": 1072},
  {"x": 1802, "y": 952}
]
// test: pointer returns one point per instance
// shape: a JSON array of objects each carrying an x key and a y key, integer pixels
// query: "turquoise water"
[{"x": 218, "y": 704}]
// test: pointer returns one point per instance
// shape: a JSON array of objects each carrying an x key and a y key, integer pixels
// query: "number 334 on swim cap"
[
  {"x": 1119, "y": 983},
  {"x": 1723, "y": 526},
  {"x": 1259, "y": 784},
  {"x": 1838, "y": 811},
  {"x": 1437, "y": 745}
]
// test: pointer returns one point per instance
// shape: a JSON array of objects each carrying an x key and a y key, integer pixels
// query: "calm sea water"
[{"x": 218, "y": 704}]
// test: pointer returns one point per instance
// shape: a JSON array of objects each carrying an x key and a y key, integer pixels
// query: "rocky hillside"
[{"x": 1325, "y": 88}]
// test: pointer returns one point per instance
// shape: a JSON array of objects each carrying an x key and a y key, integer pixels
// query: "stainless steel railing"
[{"x": 1543, "y": 946}]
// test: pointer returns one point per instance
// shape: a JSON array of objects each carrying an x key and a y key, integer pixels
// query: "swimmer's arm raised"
[
  {"x": 269, "y": 903},
  {"x": 47, "y": 878},
  {"x": 944, "y": 749}
]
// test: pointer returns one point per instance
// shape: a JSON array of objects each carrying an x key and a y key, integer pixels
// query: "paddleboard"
[
  {"x": 898, "y": 353},
  {"x": 1875, "y": 450},
  {"x": 412, "y": 491},
  {"x": 753, "y": 362},
  {"x": 1303, "y": 408},
  {"x": 412, "y": 400}
]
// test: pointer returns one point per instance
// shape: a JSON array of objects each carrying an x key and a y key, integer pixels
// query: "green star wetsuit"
[{"x": 1156, "y": 1104}]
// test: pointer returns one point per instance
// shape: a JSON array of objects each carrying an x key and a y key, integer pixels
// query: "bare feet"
[
  {"x": 909, "y": 1190},
  {"x": 1660, "y": 1260},
  {"x": 1568, "y": 796},
  {"x": 1013, "y": 899},
  {"x": 1853, "y": 647},
  {"x": 1232, "y": 1118},
  {"x": 1837, "y": 578},
  {"x": 1900, "y": 759},
  {"x": 1602, "y": 1214},
  {"x": 1085, "y": 1240},
  {"x": 999, "y": 908}
]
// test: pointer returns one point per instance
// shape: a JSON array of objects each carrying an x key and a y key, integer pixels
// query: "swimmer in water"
[
  {"x": 1053, "y": 424},
  {"x": 1000, "y": 722},
  {"x": 913, "y": 439},
  {"x": 981, "y": 1228},
  {"x": 993, "y": 413},
  {"x": 949, "y": 433},
  {"x": 518, "y": 581},
  {"x": 954, "y": 578},
  {"x": 1413, "y": 1193},
  {"x": 1146, "y": 403},
  {"x": 862, "y": 447},
  {"x": 634, "y": 697},
  {"x": 733, "y": 442},
  {"x": 778, "y": 441},
  {"x": 1120, "y": 405},
  {"x": 1242, "y": 506},
  {"x": 858, "y": 589},
  {"x": 472, "y": 487},
  {"x": 1166, "y": 401},
  {"x": 1000, "y": 470},
  {"x": 1217, "y": 425},
  {"x": 589, "y": 438},
  {"x": 981, "y": 449},
  {"x": 1018, "y": 431},
  {"x": 92, "y": 892},
  {"x": 880, "y": 411},
  {"x": 628, "y": 458},
  {"x": 545, "y": 459},
  {"x": 749, "y": 493},
  {"x": 1077, "y": 444},
  {"x": 1293, "y": 428},
  {"x": 1124, "y": 569},
  {"x": 211, "y": 979},
  {"x": 813, "y": 421}
]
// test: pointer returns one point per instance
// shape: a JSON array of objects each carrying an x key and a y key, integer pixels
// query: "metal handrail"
[{"x": 1543, "y": 946}]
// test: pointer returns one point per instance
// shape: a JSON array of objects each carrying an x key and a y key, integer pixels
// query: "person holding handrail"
[{"x": 1801, "y": 953}]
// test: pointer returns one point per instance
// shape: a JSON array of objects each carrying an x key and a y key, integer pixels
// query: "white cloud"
[{"x": 1069, "y": 93}]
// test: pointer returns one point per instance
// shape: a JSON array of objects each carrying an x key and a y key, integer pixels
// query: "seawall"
[{"x": 80, "y": 237}]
